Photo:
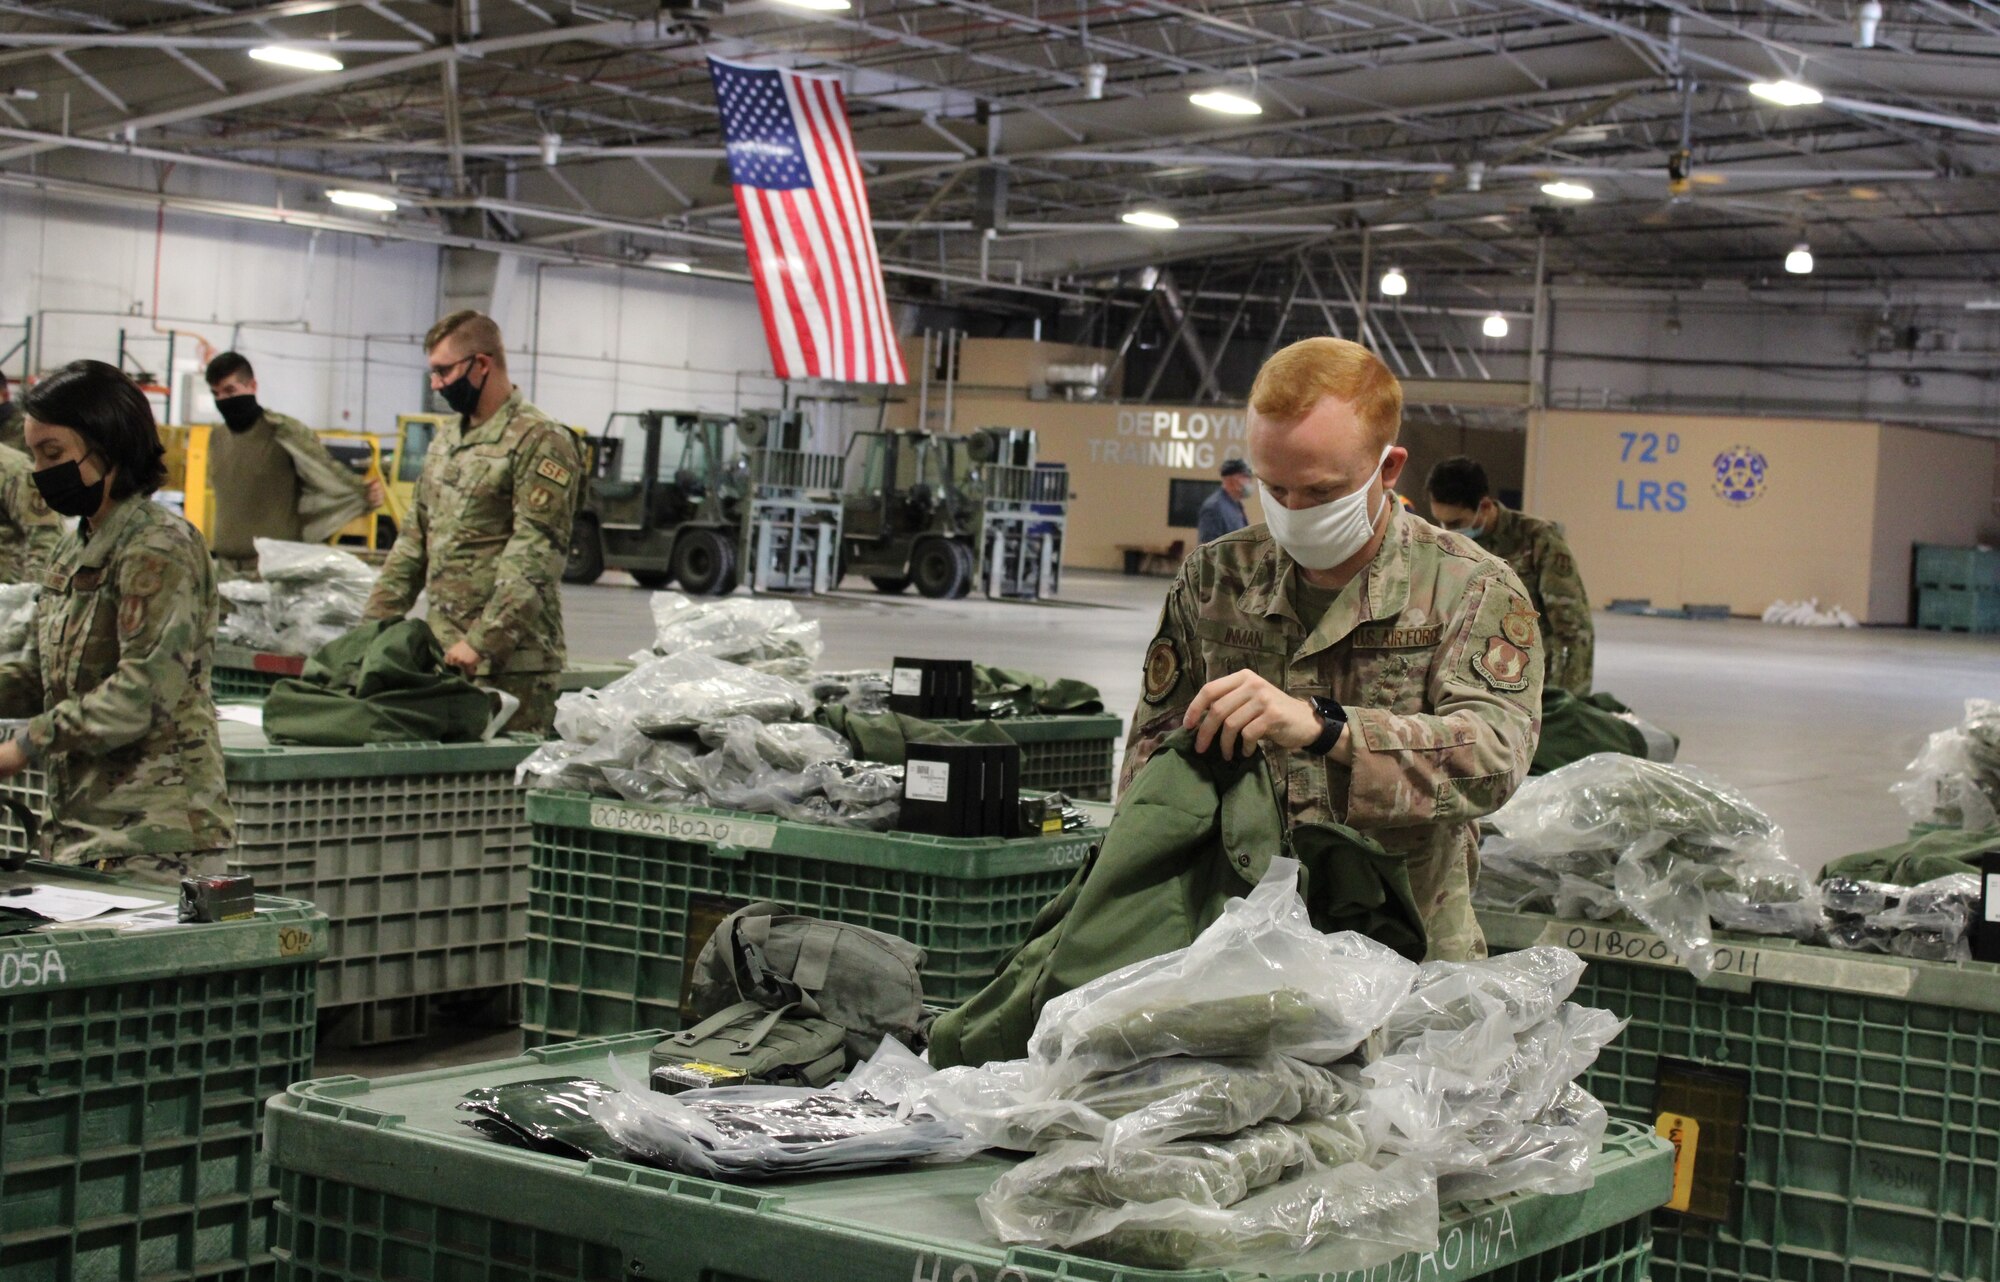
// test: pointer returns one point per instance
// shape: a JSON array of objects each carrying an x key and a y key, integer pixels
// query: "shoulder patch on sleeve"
[
  {"x": 552, "y": 471},
  {"x": 1502, "y": 665},
  {"x": 147, "y": 576},
  {"x": 1163, "y": 669}
]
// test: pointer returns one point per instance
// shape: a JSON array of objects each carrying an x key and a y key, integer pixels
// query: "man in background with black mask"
[
  {"x": 488, "y": 533},
  {"x": 272, "y": 477}
]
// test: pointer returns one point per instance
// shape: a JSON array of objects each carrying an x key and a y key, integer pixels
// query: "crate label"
[
  {"x": 1684, "y": 1133},
  {"x": 26, "y": 968},
  {"x": 908, "y": 682},
  {"x": 1815, "y": 969},
  {"x": 1465, "y": 1249},
  {"x": 1993, "y": 897},
  {"x": 712, "y": 830},
  {"x": 1910, "y": 1181},
  {"x": 927, "y": 781},
  {"x": 294, "y": 941}
]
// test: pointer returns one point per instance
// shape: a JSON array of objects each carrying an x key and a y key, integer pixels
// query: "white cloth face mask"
[{"x": 1323, "y": 536}]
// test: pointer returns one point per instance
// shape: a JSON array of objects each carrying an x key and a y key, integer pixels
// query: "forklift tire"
[
  {"x": 705, "y": 563},
  {"x": 888, "y": 586},
  {"x": 940, "y": 570},
  {"x": 964, "y": 559},
  {"x": 586, "y": 552},
  {"x": 655, "y": 579}
]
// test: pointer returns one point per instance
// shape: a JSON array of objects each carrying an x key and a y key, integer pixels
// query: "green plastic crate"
[
  {"x": 382, "y": 1181},
  {"x": 1959, "y": 609},
  {"x": 242, "y": 673},
  {"x": 1872, "y": 1114},
  {"x": 1066, "y": 754},
  {"x": 1954, "y": 567},
  {"x": 134, "y": 1066},
  {"x": 417, "y": 853},
  {"x": 621, "y": 895}
]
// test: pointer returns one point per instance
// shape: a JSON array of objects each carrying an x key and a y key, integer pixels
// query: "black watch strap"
[{"x": 1333, "y": 719}]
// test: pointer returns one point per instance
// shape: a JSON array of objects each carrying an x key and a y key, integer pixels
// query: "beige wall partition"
[{"x": 1744, "y": 512}]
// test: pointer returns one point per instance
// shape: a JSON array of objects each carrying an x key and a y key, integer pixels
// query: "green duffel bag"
[{"x": 749, "y": 1044}]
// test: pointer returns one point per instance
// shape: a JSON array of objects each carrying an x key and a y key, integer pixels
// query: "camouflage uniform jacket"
[
  {"x": 1432, "y": 650},
  {"x": 487, "y": 537},
  {"x": 29, "y": 531},
  {"x": 1538, "y": 553},
  {"x": 115, "y": 680},
  {"x": 13, "y": 426}
]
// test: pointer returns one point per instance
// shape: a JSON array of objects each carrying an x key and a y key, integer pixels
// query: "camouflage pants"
[
  {"x": 163, "y": 870},
  {"x": 537, "y": 692}
]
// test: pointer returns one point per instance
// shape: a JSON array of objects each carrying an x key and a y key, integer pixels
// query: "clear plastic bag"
[
  {"x": 1258, "y": 981},
  {"x": 1008, "y": 1105},
  {"x": 678, "y": 695},
  {"x": 317, "y": 592},
  {"x": 754, "y": 1132},
  {"x": 1550, "y": 1155},
  {"x": 759, "y": 633},
  {"x": 1325, "y": 1219},
  {"x": 1955, "y": 779},
  {"x": 1680, "y": 852},
  {"x": 1928, "y": 922}
]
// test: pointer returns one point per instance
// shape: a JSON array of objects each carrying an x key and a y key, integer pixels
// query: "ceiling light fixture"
[
  {"x": 367, "y": 200},
  {"x": 1800, "y": 261},
  {"x": 1787, "y": 93},
  {"x": 551, "y": 149},
  {"x": 1867, "y": 20},
  {"x": 1394, "y": 283},
  {"x": 820, "y": 6},
  {"x": 1494, "y": 326},
  {"x": 666, "y": 263},
  {"x": 1150, "y": 219},
  {"x": 296, "y": 59},
  {"x": 1562, "y": 190},
  {"x": 1093, "y": 81},
  {"x": 1226, "y": 101}
]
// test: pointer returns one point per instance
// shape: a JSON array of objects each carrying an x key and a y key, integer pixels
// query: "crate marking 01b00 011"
[{"x": 1776, "y": 964}]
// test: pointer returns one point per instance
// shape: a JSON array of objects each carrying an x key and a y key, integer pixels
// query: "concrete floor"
[{"x": 1813, "y": 725}]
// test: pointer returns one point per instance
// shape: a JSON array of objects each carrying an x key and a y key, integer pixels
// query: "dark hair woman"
[{"x": 115, "y": 679}]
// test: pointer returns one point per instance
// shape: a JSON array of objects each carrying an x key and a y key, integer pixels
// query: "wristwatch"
[{"x": 1332, "y": 719}]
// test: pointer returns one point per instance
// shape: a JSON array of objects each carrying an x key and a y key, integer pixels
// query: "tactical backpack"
[
  {"x": 862, "y": 980},
  {"x": 749, "y": 1045}
]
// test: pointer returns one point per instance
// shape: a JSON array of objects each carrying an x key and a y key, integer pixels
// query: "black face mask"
[
  {"x": 63, "y": 489},
  {"x": 461, "y": 395},
  {"x": 239, "y": 413}
]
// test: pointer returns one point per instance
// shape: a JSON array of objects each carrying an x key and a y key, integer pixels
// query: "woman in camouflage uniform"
[{"x": 115, "y": 679}]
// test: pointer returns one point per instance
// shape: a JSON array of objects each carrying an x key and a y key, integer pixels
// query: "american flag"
[{"x": 805, "y": 219}]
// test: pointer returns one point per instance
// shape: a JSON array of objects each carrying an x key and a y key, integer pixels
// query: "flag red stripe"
[
  {"x": 811, "y": 279},
  {"x": 829, "y": 126},
  {"x": 788, "y": 277},
  {"x": 758, "y": 258},
  {"x": 838, "y": 228},
  {"x": 888, "y": 355}
]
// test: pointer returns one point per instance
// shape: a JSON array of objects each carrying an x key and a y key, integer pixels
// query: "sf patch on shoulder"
[
  {"x": 553, "y": 471},
  {"x": 1502, "y": 664},
  {"x": 1163, "y": 669}
]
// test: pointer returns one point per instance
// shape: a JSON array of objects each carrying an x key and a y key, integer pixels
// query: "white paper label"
[
  {"x": 711, "y": 830},
  {"x": 1993, "y": 897},
  {"x": 908, "y": 682},
  {"x": 926, "y": 781},
  {"x": 1811, "y": 968}
]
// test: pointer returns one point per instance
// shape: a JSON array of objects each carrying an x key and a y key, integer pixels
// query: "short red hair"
[{"x": 1296, "y": 379}]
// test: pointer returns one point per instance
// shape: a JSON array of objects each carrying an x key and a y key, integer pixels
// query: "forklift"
[
  {"x": 669, "y": 501},
  {"x": 951, "y": 513}
]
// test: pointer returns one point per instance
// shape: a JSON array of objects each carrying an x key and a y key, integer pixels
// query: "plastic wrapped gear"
[
  {"x": 759, "y": 633},
  {"x": 550, "y": 1115},
  {"x": 679, "y": 694},
  {"x": 1955, "y": 779},
  {"x": 1927, "y": 922},
  {"x": 1549, "y": 1155},
  {"x": 1260, "y": 980},
  {"x": 1680, "y": 851},
  {"x": 1324, "y": 1220},
  {"x": 317, "y": 592},
  {"x": 1006, "y": 1104},
  {"x": 753, "y": 1132}
]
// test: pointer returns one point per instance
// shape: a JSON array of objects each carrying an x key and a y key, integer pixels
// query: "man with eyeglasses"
[{"x": 490, "y": 527}]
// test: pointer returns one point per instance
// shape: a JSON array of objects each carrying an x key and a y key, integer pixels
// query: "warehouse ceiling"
[{"x": 1414, "y": 133}]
